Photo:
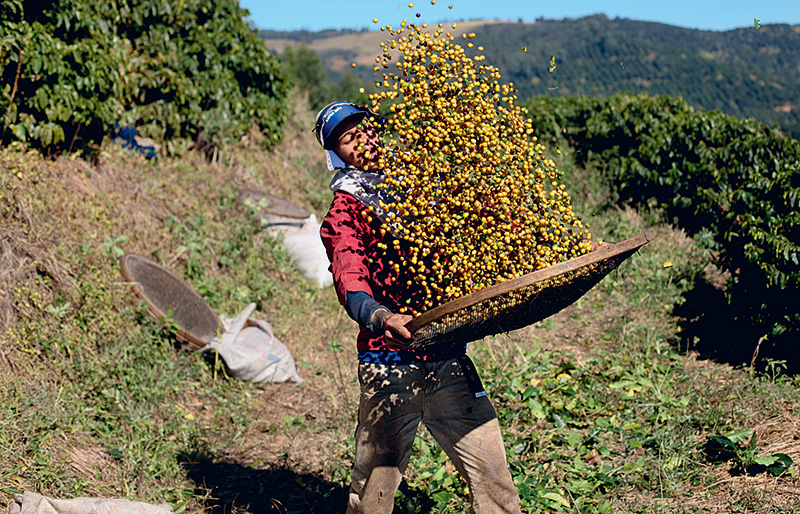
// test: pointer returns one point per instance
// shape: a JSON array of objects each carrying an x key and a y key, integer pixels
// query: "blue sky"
[{"x": 701, "y": 14}]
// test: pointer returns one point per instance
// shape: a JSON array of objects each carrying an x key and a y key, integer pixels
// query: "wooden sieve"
[
  {"x": 164, "y": 294},
  {"x": 522, "y": 301}
]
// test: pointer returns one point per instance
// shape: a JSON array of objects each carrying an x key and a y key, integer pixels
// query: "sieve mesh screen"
[
  {"x": 165, "y": 294},
  {"x": 522, "y": 301}
]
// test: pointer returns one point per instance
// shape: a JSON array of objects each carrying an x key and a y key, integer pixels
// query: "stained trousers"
[{"x": 394, "y": 400}]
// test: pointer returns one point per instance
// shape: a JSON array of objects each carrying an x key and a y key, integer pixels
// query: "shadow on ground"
[
  {"x": 708, "y": 327},
  {"x": 230, "y": 487}
]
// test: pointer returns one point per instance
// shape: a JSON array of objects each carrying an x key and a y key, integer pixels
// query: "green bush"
[
  {"x": 74, "y": 69},
  {"x": 709, "y": 172}
]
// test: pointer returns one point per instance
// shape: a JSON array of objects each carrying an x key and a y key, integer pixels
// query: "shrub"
[
  {"x": 736, "y": 178},
  {"x": 73, "y": 69}
]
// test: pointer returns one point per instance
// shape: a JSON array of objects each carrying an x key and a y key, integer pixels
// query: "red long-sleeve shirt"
[{"x": 351, "y": 236}]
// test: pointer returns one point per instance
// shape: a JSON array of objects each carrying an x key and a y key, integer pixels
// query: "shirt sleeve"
[
  {"x": 344, "y": 233},
  {"x": 363, "y": 309}
]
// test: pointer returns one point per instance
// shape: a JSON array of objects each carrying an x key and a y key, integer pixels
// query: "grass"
[{"x": 605, "y": 407}]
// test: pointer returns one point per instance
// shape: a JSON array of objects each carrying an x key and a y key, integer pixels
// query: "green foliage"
[
  {"x": 735, "y": 178},
  {"x": 74, "y": 69},
  {"x": 349, "y": 88},
  {"x": 740, "y": 447},
  {"x": 237, "y": 252},
  {"x": 111, "y": 245},
  {"x": 304, "y": 67},
  {"x": 335, "y": 346},
  {"x": 306, "y": 36}
]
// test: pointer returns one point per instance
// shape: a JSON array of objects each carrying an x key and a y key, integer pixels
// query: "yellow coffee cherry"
[{"x": 478, "y": 201}]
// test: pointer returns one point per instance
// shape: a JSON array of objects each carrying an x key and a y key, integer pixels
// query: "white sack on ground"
[
  {"x": 33, "y": 503},
  {"x": 251, "y": 351},
  {"x": 305, "y": 247}
]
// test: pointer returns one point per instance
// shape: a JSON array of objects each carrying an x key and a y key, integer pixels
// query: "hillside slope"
[{"x": 743, "y": 72}]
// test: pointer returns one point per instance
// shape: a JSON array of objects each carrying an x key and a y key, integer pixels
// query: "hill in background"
[{"x": 747, "y": 72}]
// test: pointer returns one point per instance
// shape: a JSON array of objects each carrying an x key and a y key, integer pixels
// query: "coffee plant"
[
  {"x": 738, "y": 179},
  {"x": 72, "y": 70}
]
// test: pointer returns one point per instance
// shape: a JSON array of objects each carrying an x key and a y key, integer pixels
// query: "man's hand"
[{"x": 395, "y": 331}]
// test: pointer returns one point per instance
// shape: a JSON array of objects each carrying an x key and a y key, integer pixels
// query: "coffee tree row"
[
  {"x": 735, "y": 179},
  {"x": 178, "y": 71}
]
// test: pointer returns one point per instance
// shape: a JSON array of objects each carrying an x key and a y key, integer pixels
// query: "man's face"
[{"x": 358, "y": 145}]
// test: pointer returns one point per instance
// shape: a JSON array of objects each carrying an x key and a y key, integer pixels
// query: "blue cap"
[
  {"x": 331, "y": 117},
  {"x": 330, "y": 121}
]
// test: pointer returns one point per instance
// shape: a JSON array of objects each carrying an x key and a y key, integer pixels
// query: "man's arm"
[
  {"x": 375, "y": 317},
  {"x": 343, "y": 231},
  {"x": 366, "y": 311}
]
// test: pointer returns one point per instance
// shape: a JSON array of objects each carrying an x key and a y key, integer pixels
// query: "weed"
[
  {"x": 739, "y": 446},
  {"x": 111, "y": 245},
  {"x": 59, "y": 311}
]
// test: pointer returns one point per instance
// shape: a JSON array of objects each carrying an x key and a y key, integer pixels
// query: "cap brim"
[{"x": 333, "y": 135}]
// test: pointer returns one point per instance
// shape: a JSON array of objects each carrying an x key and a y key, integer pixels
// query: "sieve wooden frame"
[
  {"x": 187, "y": 306},
  {"x": 583, "y": 272}
]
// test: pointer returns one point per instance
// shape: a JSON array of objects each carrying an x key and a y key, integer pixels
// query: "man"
[{"x": 400, "y": 387}]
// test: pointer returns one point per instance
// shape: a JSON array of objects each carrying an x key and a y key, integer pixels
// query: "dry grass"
[{"x": 58, "y": 215}]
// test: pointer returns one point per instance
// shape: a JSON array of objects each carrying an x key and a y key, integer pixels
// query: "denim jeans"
[{"x": 394, "y": 400}]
